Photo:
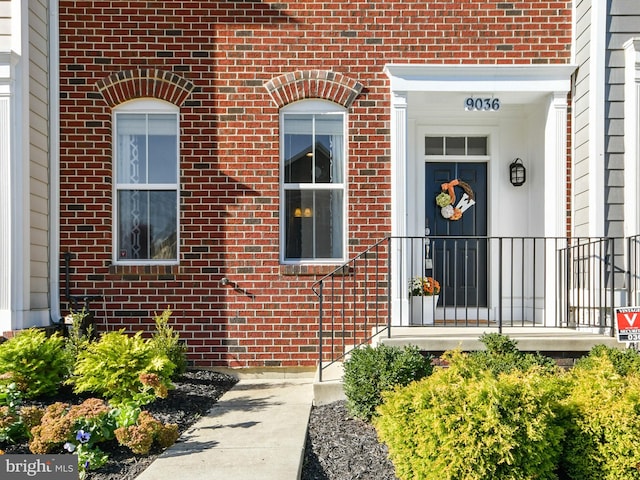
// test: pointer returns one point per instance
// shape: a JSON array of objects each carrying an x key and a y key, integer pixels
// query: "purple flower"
[{"x": 82, "y": 436}]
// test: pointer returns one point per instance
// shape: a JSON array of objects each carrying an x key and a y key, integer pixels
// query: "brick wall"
[{"x": 215, "y": 58}]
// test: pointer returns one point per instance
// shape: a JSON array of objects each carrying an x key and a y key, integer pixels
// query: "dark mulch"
[
  {"x": 195, "y": 393},
  {"x": 340, "y": 447}
]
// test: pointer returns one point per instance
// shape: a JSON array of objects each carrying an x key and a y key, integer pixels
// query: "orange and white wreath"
[{"x": 447, "y": 199}]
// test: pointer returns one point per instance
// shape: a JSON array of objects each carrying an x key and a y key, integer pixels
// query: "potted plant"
[{"x": 424, "y": 293}]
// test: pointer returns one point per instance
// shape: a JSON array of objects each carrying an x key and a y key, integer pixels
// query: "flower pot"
[{"x": 423, "y": 309}]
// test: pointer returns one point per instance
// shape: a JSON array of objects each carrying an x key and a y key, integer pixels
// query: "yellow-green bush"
[
  {"x": 464, "y": 423},
  {"x": 603, "y": 436},
  {"x": 123, "y": 368},
  {"x": 35, "y": 361}
]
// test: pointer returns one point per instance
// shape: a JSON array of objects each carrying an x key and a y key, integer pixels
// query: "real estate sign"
[{"x": 628, "y": 324}]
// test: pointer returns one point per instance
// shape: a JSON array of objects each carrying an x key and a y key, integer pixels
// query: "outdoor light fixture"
[{"x": 517, "y": 173}]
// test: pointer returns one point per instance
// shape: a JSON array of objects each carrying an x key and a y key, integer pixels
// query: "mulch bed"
[
  {"x": 195, "y": 393},
  {"x": 340, "y": 447}
]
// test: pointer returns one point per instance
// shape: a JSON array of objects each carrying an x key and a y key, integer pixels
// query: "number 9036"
[{"x": 481, "y": 104}]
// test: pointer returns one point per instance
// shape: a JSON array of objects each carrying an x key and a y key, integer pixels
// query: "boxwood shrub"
[{"x": 371, "y": 370}]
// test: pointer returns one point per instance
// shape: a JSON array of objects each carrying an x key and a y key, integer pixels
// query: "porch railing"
[{"x": 485, "y": 281}]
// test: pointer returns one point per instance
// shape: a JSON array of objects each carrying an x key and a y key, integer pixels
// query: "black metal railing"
[{"x": 485, "y": 281}]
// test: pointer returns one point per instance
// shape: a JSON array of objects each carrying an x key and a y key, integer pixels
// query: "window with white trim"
[
  {"x": 313, "y": 188},
  {"x": 146, "y": 164}
]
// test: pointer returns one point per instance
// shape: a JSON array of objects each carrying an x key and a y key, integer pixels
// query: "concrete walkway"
[{"x": 256, "y": 431}]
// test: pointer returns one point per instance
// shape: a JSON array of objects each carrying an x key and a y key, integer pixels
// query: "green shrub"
[
  {"x": 370, "y": 371},
  {"x": 122, "y": 368},
  {"x": 37, "y": 362},
  {"x": 604, "y": 428},
  {"x": 474, "y": 425},
  {"x": 502, "y": 356},
  {"x": 624, "y": 361},
  {"x": 167, "y": 342}
]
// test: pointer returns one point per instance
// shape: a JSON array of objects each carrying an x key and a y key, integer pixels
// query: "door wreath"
[{"x": 447, "y": 198}]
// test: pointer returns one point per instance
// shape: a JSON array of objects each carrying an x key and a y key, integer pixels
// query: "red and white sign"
[{"x": 628, "y": 324}]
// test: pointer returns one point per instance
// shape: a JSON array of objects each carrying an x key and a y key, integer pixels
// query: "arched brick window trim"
[
  {"x": 323, "y": 84},
  {"x": 145, "y": 83}
]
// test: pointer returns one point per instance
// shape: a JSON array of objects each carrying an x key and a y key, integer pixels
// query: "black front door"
[{"x": 458, "y": 263}]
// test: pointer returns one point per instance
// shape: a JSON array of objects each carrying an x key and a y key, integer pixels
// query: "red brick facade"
[{"x": 230, "y": 66}]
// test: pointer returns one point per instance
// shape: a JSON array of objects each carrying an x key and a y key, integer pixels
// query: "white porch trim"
[
  {"x": 552, "y": 80},
  {"x": 543, "y": 87},
  {"x": 597, "y": 115}
]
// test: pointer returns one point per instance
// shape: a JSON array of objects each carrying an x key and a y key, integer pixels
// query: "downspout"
[{"x": 54, "y": 163}]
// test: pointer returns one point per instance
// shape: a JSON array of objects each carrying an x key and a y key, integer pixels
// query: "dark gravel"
[{"x": 340, "y": 447}]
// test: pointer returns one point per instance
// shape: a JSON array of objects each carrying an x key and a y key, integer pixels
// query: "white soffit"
[{"x": 479, "y": 78}]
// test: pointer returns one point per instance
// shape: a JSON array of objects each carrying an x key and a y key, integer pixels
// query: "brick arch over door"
[
  {"x": 323, "y": 84},
  {"x": 127, "y": 85}
]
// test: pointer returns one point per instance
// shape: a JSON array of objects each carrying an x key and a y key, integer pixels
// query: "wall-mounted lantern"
[{"x": 517, "y": 173}]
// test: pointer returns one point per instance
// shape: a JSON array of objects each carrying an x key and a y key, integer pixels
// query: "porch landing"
[
  {"x": 563, "y": 344},
  {"x": 530, "y": 339}
]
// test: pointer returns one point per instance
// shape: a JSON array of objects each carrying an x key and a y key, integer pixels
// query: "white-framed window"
[
  {"x": 313, "y": 182},
  {"x": 146, "y": 186}
]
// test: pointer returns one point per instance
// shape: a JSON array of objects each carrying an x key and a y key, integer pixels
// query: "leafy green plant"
[
  {"x": 37, "y": 362},
  {"x": 370, "y": 371},
  {"x": 78, "y": 337},
  {"x": 12, "y": 429},
  {"x": 166, "y": 341},
  {"x": 123, "y": 368},
  {"x": 502, "y": 356},
  {"x": 471, "y": 424},
  {"x": 604, "y": 427}
]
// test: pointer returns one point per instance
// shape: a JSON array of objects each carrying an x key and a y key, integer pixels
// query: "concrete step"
[
  {"x": 564, "y": 345},
  {"x": 330, "y": 389},
  {"x": 529, "y": 339}
]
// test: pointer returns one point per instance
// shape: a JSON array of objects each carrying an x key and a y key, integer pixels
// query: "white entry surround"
[{"x": 530, "y": 123}]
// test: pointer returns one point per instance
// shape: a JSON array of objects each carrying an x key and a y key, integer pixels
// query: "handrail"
[
  {"x": 565, "y": 282},
  {"x": 351, "y": 269}
]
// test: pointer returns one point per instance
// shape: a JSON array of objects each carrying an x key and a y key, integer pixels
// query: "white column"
[
  {"x": 632, "y": 138},
  {"x": 399, "y": 163},
  {"x": 555, "y": 167},
  {"x": 555, "y": 191},
  {"x": 400, "y": 307}
]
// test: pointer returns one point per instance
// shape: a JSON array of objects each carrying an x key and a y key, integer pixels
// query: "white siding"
[
  {"x": 5, "y": 25},
  {"x": 624, "y": 24},
  {"x": 581, "y": 100},
  {"x": 39, "y": 151}
]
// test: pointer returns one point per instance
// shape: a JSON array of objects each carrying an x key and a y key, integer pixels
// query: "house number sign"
[{"x": 477, "y": 104}]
